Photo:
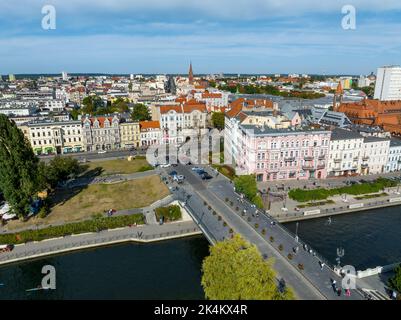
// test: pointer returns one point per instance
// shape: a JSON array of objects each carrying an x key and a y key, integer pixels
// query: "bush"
[
  {"x": 209, "y": 207},
  {"x": 170, "y": 213},
  {"x": 224, "y": 224},
  {"x": 226, "y": 199},
  {"x": 271, "y": 239},
  {"x": 264, "y": 231},
  {"x": 256, "y": 225},
  {"x": 280, "y": 247},
  {"x": 357, "y": 189},
  {"x": 231, "y": 231},
  {"x": 290, "y": 256},
  {"x": 214, "y": 212},
  {"x": 300, "y": 266},
  {"x": 92, "y": 225},
  {"x": 145, "y": 168},
  {"x": 249, "y": 219},
  {"x": 219, "y": 218}
]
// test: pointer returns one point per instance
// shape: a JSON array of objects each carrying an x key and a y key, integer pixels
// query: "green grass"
[
  {"x": 120, "y": 166},
  {"x": 315, "y": 204},
  {"x": 92, "y": 225},
  {"x": 371, "y": 196},
  {"x": 301, "y": 195},
  {"x": 226, "y": 170},
  {"x": 170, "y": 213}
]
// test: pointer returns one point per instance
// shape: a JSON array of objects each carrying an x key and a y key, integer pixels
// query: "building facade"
[
  {"x": 151, "y": 133},
  {"x": 394, "y": 156},
  {"x": 388, "y": 83},
  {"x": 101, "y": 133},
  {"x": 130, "y": 134}
]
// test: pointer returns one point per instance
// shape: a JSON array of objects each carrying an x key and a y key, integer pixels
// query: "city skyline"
[{"x": 253, "y": 37}]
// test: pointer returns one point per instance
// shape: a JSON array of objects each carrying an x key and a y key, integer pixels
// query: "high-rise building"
[
  {"x": 388, "y": 83},
  {"x": 64, "y": 76},
  {"x": 11, "y": 77}
]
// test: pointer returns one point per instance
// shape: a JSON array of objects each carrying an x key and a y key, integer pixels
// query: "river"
[
  {"x": 369, "y": 238},
  {"x": 162, "y": 270}
]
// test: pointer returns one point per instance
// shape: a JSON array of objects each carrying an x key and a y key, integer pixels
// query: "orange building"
[{"x": 385, "y": 114}]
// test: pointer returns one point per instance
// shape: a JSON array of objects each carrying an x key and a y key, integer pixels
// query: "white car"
[
  {"x": 165, "y": 165},
  {"x": 101, "y": 151},
  {"x": 178, "y": 178},
  {"x": 5, "y": 208}
]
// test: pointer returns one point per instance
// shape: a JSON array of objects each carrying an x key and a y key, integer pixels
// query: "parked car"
[
  {"x": 102, "y": 151},
  {"x": 173, "y": 173},
  {"x": 178, "y": 178},
  {"x": 197, "y": 169},
  {"x": 206, "y": 176},
  {"x": 167, "y": 165},
  {"x": 6, "y": 247}
]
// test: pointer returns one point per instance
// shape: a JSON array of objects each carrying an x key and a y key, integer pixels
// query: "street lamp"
[{"x": 296, "y": 231}]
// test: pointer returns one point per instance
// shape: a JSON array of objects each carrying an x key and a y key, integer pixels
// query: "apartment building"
[
  {"x": 394, "y": 156},
  {"x": 151, "y": 133},
  {"x": 53, "y": 137},
  {"x": 130, "y": 134},
  {"x": 101, "y": 133},
  {"x": 375, "y": 153}
]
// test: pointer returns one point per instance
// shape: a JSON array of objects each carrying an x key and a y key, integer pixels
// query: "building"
[
  {"x": 394, "y": 156},
  {"x": 11, "y": 77},
  {"x": 52, "y": 137},
  {"x": 375, "y": 152},
  {"x": 101, "y": 133},
  {"x": 183, "y": 122},
  {"x": 383, "y": 114},
  {"x": 345, "y": 152},
  {"x": 282, "y": 154},
  {"x": 388, "y": 83},
  {"x": 64, "y": 76},
  {"x": 130, "y": 134},
  {"x": 190, "y": 75},
  {"x": 151, "y": 133}
]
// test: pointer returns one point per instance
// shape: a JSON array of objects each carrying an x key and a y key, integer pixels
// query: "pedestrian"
[
  {"x": 339, "y": 292},
  {"x": 348, "y": 293}
]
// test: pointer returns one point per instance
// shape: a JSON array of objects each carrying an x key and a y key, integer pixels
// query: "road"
[{"x": 313, "y": 283}]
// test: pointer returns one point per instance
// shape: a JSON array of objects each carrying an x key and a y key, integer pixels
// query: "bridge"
[{"x": 217, "y": 208}]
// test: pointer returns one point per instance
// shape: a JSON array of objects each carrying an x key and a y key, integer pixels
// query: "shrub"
[
  {"x": 236, "y": 209},
  {"x": 231, "y": 203},
  {"x": 300, "y": 266},
  {"x": 209, "y": 207},
  {"x": 92, "y": 225},
  {"x": 231, "y": 231},
  {"x": 264, "y": 231},
  {"x": 271, "y": 239},
  {"x": 214, "y": 212},
  {"x": 290, "y": 256},
  {"x": 225, "y": 224},
  {"x": 249, "y": 219},
  {"x": 256, "y": 225},
  {"x": 226, "y": 199},
  {"x": 280, "y": 247},
  {"x": 219, "y": 218},
  {"x": 204, "y": 203}
]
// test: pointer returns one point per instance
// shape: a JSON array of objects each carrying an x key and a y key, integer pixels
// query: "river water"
[
  {"x": 163, "y": 270},
  {"x": 369, "y": 238},
  {"x": 172, "y": 269}
]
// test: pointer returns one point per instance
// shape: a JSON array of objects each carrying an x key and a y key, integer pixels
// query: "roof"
[
  {"x": 166, "y": 109},
  {"x": 145, "y": 125},
  {"x": 342, "y": 134},
  {"x": 100, "y": 119},
  {"x": 263, "y": 130},
  {"x": 374, "y": 139},
  {"x": 395, "y": 143}
]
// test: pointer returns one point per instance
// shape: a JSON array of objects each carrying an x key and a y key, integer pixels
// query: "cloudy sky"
[{"x": 230, "y": 36}]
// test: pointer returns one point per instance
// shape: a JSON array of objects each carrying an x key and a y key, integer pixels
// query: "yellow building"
[{"x": 130, "y": 134}]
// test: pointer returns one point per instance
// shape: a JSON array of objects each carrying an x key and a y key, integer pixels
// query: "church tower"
[
  {"x": 338, "y": 97},
  {"x": 190, "y": 74}
]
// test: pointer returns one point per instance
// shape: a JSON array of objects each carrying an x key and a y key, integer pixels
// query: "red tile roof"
[{"x": 149, "y": 125}]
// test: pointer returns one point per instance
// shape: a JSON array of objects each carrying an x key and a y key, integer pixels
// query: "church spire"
[
  {"x": 190, "y": 74},
  {"x": 338, "y": 94}
]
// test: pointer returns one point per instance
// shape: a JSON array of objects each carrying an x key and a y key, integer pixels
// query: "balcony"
[
  {"x": 309, "y": 158},
  {"x": 289, "y": 159},
  {"x": 337, "y": 160},
  {"x": 356, "y": 159},
  {"x": 321, "y": 166},
  {"x": 365, "y": 158},
  {"x": 308, "y": 167},
  {"x": 322, "y": 157},
  {"x": 364, "y": 165}
]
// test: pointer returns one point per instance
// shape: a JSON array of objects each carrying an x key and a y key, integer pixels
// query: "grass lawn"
[
  {"x": 120, "y": 166},
  {"x": 74, "y": 205},
  {"x": 226, "y": 170}
]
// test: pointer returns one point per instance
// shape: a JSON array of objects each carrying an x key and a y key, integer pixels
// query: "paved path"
[{"x": 143, "y": 233}]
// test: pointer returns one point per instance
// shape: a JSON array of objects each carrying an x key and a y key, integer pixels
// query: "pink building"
[{"x": 282, "y": 154}]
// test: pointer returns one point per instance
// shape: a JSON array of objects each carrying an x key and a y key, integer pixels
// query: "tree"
[
  {"x": 61, "y": 168},
  {"x": 395, "y": 282},
  {"x": 235, "y": 270},
  {"x": 246, "y": 184},
  {"x": 140, "y": 112},
  {"x": 120, "y": 105},
  {"x": 92, "y": 104},
  {"x": 218, "y": 120},
  {"x": 18, "y": 167}
]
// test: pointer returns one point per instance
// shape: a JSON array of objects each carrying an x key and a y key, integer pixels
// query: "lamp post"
[{"x": 296, "y": 231}]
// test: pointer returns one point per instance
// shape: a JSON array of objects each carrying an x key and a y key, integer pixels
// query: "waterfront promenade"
[{"x": 140, "y": 234}]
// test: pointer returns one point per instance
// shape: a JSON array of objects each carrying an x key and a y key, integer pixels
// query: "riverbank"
[
  {"x": 140, "y": 234},
  {"x": 332, "y": 211}
]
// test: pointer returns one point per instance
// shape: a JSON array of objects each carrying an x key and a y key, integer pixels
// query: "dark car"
[
  {"x": 173, "y": 173},
  {"x": 206, "y": 176}
]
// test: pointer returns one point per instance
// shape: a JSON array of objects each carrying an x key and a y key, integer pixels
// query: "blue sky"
[{"x": 230, "y": 36}]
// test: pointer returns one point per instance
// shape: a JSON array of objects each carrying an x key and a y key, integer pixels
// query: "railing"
[
  {"x": 308, "y": 167},
  {"x": 321, "y": 166},
  {"x": 309, "y": 158},
  {"x": 289, "y": 159}
]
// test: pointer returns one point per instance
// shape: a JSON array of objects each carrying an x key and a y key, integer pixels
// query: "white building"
[
  {"x": 388, "y": 83},
  {"x": 150, "y": 133},
  {"x": 52, "y": 137},
  {"x": 374, "y": 155},
  {"x": 394, "y": 156},
  {"x": 345, "y": 151},
  {"x": 64, "y": 76}
]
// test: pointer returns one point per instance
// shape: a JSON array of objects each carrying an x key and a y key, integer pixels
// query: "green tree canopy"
[
  {"x": 92, "y": 104},
  {"x": 140, "y": 112},
  {"x": 235, "y": 270},
  {"x": 59, "y": 169},
  {"x": 395, "y": 282},
  {"x": 18, "y": 167},
  {"x": 218, "y": 120},
  {"x": 120, "y": 105}
]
